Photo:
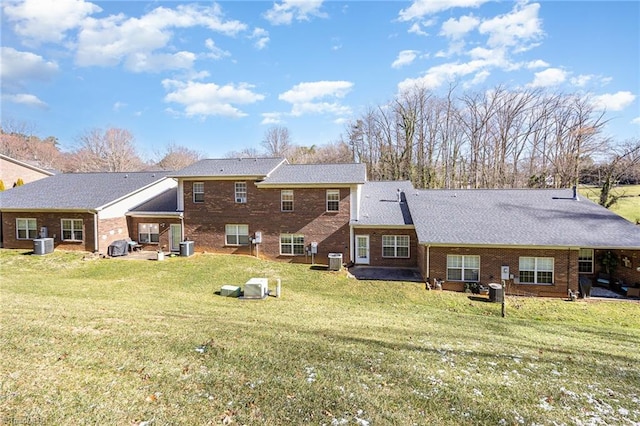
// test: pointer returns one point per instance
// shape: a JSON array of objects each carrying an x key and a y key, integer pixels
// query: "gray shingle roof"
[
  {"x": 76, "y": 191},
  {"x": 517, "y": 217},
  {"x": 230, "y": 167},
  {"x": 379, "y": 204},
  {"x": 317, "y": 174},
  {"x": 165, "y": 202}
]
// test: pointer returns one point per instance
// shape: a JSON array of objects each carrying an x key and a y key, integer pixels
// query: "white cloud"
[
  {"x": 479, "y": 78},
  {"x": 205, "y": 99},
  {"x": 118, "y": 106},
  {"x": 25, "y": 99},
  {"x": 271, "y": 118},
  {"x": 420, "y": 8},
  {"x": 47, "y": 20},
  {"x": 613, "y": 101},
  {"x": 636, "y": 120},
  {"x": 135, "y": 41},
  {"x": 415, "y": 28},
  {"x": 521, "y": 25},
  {"x": 262, "y": 38},
  {"x": 19, "y": 67},
  {"x": 548, "y": 77},
  {"x": 301, "y": 10},
  {"x": 309, "y": 97},
  {"x": 441, "y": 74},
  {"x": 405, "y": 57},
  {"x": 458, "y": 28},
  {"x": 581, "y": 80},
  {"x": 214, "y": 51},
  {"x": 538, "y": 63}
]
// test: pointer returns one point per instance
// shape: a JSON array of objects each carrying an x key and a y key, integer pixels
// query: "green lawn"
[
  {"x": 628, "y": 206},
  {"x": 116, "y": 341}
]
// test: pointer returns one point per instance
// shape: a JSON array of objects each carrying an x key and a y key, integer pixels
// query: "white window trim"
[
  {"x": 333, "y": 192},
  {"x": 35, "y": 229},
  {"x": 463, "y": 268},
  {"x": 238, "y": 195},
  {"x": 591, "y": 261},
  {"x": 282, "y": 199},
  {"x": 237, "y": 234},
  {"x": 148, "y": 233},
  {"x": 293, "y": 245},
  {"x": 199, "y": 192},
  {"x": 73, "y": 229},
  {"x": 535, "y": 271},
  {"x": 395, "y": 246}
]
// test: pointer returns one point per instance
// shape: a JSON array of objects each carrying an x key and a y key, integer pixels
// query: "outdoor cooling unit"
[
  {"x": 256, "y": 288},
  {"x": 42, "y": 246}
]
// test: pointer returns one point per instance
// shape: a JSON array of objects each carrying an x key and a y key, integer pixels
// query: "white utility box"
[{"x": 256, "y": 288}]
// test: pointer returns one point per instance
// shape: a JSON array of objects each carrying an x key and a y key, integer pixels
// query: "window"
[
  {"x": 241, "y": 192},
  {"x": 72, "y": 229},
  {"x": 463, "y": 268},
  {"x": 536, "y": 270},
  {"x": 286, "y": 200},
  {"x": 585, "y": 261},
  {"x": 395, "y": 246},
  {"x": 198, "y": 192},
  {"x": 333, "y": 200},
  {"x": 237, "y": 235},
  {"x": 26, "y": 229},
  {"x": 148, "y": 233},
  {"x": 291, "y": 244}
]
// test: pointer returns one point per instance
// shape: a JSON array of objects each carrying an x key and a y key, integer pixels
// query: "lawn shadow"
[{"x": 319, "y": 267}]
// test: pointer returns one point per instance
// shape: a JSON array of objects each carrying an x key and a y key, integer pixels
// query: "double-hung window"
[
  {"x": 333, "y": 200},
  {"x": 286, "y": 200},
  {"x": 198, "y": 192},
  {"x": 585, "y": 261},
  {"x": 26, "y": 229},
  {"x": 536, "y": 270},
  {"x": 395, "y": 246},
  {"x": 291, "y": 244},
  {"x": 241, "y": 192},
  {"x": 148, "y": 233},
  {"x": 463, "y": 268},
  {"x": 237, "y": 235},
  {"x": 72, "y": 229}
]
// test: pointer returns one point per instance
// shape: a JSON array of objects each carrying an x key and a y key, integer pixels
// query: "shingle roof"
[
  {"x": 76, "y": 191},
  {"x": 166, "y": 202},
  {"x": 517, "y": 217},
  {"x": 380, "y": 206},
  {"x": 317, "y": 174},
  {"x": 230, "y": 167}
]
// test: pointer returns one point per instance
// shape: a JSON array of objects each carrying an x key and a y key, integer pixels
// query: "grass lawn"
[
  {"x": 116, "y": 341},
  {"x": 628, "y": 206}
]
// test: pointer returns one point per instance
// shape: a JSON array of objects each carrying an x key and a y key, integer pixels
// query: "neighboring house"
[
  {"x": 80, "y": 211},
  {"x": 11, "y": 170},
  {"x": 269, "y": 207}
]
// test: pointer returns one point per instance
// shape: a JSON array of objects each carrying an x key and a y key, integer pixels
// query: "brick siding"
[
  {"x": 375, "y": 247},
  {"x": 164, "y": 226}
]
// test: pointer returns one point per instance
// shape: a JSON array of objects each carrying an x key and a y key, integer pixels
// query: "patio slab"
[{"x": 385, "y": 274}]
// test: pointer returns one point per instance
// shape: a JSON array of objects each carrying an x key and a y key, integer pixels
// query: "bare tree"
[
  {"x": 177, "y": 157},
  {"x": 277, "y": 141},
  {"x": 111, "y": 150},
  {"x": 624, "y": 161}
]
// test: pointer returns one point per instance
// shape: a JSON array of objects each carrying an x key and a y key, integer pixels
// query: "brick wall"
[
  {"x": 627, "y": 268},
  {"x": 375, "y": 247},
  {"x": 54, "y": 229},
  {"x": 205, "y": 222},
  {"x": 10, "y": 172},
  {"x": 164, "y": 226},
  {"x": 491, "y": 261},
  {"x": 110, "y": 230}
]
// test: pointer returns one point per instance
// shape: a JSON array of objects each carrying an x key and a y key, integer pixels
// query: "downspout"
[
  {"x": 96, "y": 247},
  {"x": 182, "y": 226},
  {"x": 428, "y": 275}
]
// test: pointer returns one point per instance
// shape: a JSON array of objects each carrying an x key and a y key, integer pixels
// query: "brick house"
[{"x": 80, "y": 211}]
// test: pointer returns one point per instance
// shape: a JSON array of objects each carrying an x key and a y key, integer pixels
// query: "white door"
[
  {"x": 175, "y": 237},
  {"x": 362, "y": 249}
]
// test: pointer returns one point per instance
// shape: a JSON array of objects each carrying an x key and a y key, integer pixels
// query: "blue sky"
[{"x": 214, "y": 76}]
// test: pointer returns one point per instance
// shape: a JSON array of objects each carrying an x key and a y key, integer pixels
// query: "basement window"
[{"x": 291, "y": 244}]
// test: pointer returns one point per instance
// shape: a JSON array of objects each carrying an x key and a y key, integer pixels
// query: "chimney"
[
  {"x": 575, "y": 193},
  {"x": 399, "y": 195}
]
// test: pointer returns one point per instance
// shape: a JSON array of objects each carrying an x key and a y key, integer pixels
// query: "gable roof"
[
  {"x": 77, "y": 191},
  {"x": 162, "y": 204},
  {"x": 384, "y": 204},
  {"x": 28, "y": 165},
  {"x": 230, "y": 168},
  {"x": 316, "y": 174},
  {"x": 517, "y": 217}
]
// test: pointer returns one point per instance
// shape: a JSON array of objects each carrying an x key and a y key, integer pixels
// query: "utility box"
[
  {"x": 256, "y": 288},
  {"x": 335, "y": 261},
  {"x": 496, "y": 293},
  {"x": 186, "y": 248},
  {"x": 230, "y": 291},
  {"x": 42, "y": 246}
]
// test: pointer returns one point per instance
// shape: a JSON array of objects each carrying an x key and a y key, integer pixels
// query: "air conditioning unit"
[
  {"x": 241, "y": 200},
  {"x": 42, "y": 246},
  {"x": 256, "y": 288}
]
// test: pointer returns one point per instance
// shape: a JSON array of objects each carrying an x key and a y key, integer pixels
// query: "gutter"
[{"x": 96, "y": 247}]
